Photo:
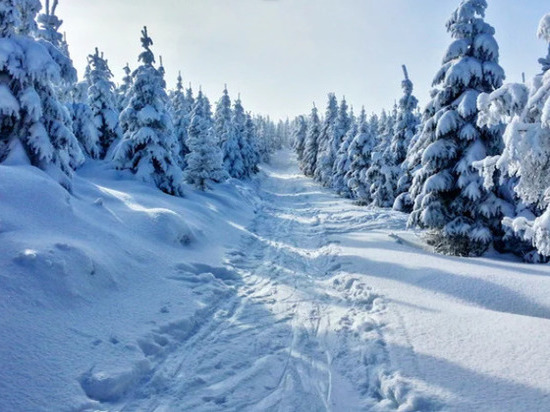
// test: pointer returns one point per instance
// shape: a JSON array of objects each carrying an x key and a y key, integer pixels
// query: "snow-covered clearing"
[{"x": 270, "y": 295}]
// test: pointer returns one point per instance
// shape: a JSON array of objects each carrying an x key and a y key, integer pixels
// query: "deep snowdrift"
[{"x": 92, "y": 284}]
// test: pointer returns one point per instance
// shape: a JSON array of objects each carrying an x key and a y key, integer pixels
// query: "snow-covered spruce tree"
[
  {"x": 270, "y": 137},
  {"x": 245, "y": 143},
  {"x": 123, "y": 89},
  {"x": 299, "y": 137},
  {"x": 406, "y": 125},
  {"x": 311, "y": 145},
  {"x": 449, "y": 198},
  {"x": 360, "y": 153},
  {"x": 48, "y": 34},
  {"x": 253, "y": 159},
  {"x": 382, "y": 175},
  {"x": 32, "y": 117},
  {"x": 189, "y": 96},
  {"x": 102, "y": 98},
  {"x": 336, "y": 135},
  {"x": 383, "y": 123},
  {"x": 263, "y": 145},
  {"x": 282, "y": 135},
  {"x": 406, "y": 122},
  {"x": 223, "y": 126},
  {"x": 418, "y": 146},
  {"x": 267, "y": 137},
  {"x": 180, "y": 109},
  {"x": 147, "y": 146},
  {"x": 342, "y": 162},
  {"x": 83, "y": 122},
  {"x": 341, "y": 127},
  {"x": 374, "y": 125},
  {"x": 205, "y": 159},
  {"x": 324, "y": 161},
  {"x": 523, "y": 165},
  {"x": 232, "y": 146},
  {"x": 53, "y": 40}
]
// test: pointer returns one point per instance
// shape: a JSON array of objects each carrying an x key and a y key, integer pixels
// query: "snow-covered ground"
[{"x": 266, "y": 295}]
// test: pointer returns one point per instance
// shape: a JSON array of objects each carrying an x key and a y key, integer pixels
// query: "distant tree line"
[{"x": 52, "y": 120}]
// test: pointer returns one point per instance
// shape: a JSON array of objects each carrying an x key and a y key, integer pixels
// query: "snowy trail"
[
  {"x": 296, "y": 333},
  {"x": 267, "y": 295}
]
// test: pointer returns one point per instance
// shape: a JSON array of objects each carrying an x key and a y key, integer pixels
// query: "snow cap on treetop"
[
  {"x": 544, "y": 28},
  {"x": 147, "y": 57},
  {"x": 467, "y": 20}
]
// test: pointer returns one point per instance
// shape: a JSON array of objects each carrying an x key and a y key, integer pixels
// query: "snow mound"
[{"x": 110, "y": 386}]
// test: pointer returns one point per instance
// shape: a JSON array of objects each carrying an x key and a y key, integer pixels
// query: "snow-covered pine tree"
[
  {"x": 102, "y": 99},
  {"x": 406, "y": 125},
  {"x": 403, "y": 202},
  {"x": 208, "y": 110},
  {"x": 299, "y": 137},
  {"x": 223, "y": 127},
  {"x": 247, "y": 149},
  {"x": 52, "y": 39},
  {"x": 265, "y": 132},
  {"x": 279, "y": 137},
  {"x": 383, "y": 123},
  {"x": 382, "y": 174},
  {"x": 48, "y": 34},
  {"x": 189, "y": 96},
  {"x": 417, "y": 147},
  {"x": 180, "y": 109},
  {"x": 205, "y": 159},
  {"x": 311, "y": 145},
  {"x": 374, "y": 125},
  {"x": 260, "y": 125},
  {"x": 324, "y": 161},
  {"x": 253, "y": 159},
  {"x": 342, "y": 125},
  {"x": 232, "y": 146},
  {"x": 342, "y": 163},
  {"x": 83, "y": 123},
  {"x": 32, "y": 117},
  {"x": 123, "y": 90},
  {"x": 147, "y": 148},
  {"x": 449, "y": 198},
  {"x": 523, "y": 165},
  {"x": 337, "y": 131},
  {"x": 359, "y": 153}
]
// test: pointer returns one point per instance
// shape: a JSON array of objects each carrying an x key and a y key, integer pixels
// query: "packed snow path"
[
  {"x": 296, "y": 334},
  {"x": 326, "y": 305}
]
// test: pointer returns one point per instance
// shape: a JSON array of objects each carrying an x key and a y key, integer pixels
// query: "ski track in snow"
[{"x": 291, "y": 331}]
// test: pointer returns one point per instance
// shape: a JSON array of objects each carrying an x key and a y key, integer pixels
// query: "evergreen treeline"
[
  {"x": 472, "y": 168},
  {"x": 53, "y": 121}
]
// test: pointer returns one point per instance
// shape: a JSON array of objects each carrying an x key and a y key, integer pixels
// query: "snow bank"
[{"x": 96, "y": 287}]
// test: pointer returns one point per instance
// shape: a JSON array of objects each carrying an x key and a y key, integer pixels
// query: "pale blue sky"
[{"x": 282, "y": 55}]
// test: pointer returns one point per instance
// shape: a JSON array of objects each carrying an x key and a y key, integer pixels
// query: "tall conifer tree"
[
  {"x": 449, "y": 198},
  {"x": 147, "y": 148}
]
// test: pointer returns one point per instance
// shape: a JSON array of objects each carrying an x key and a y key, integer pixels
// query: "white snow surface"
[{"x": 267, "y": 295}]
